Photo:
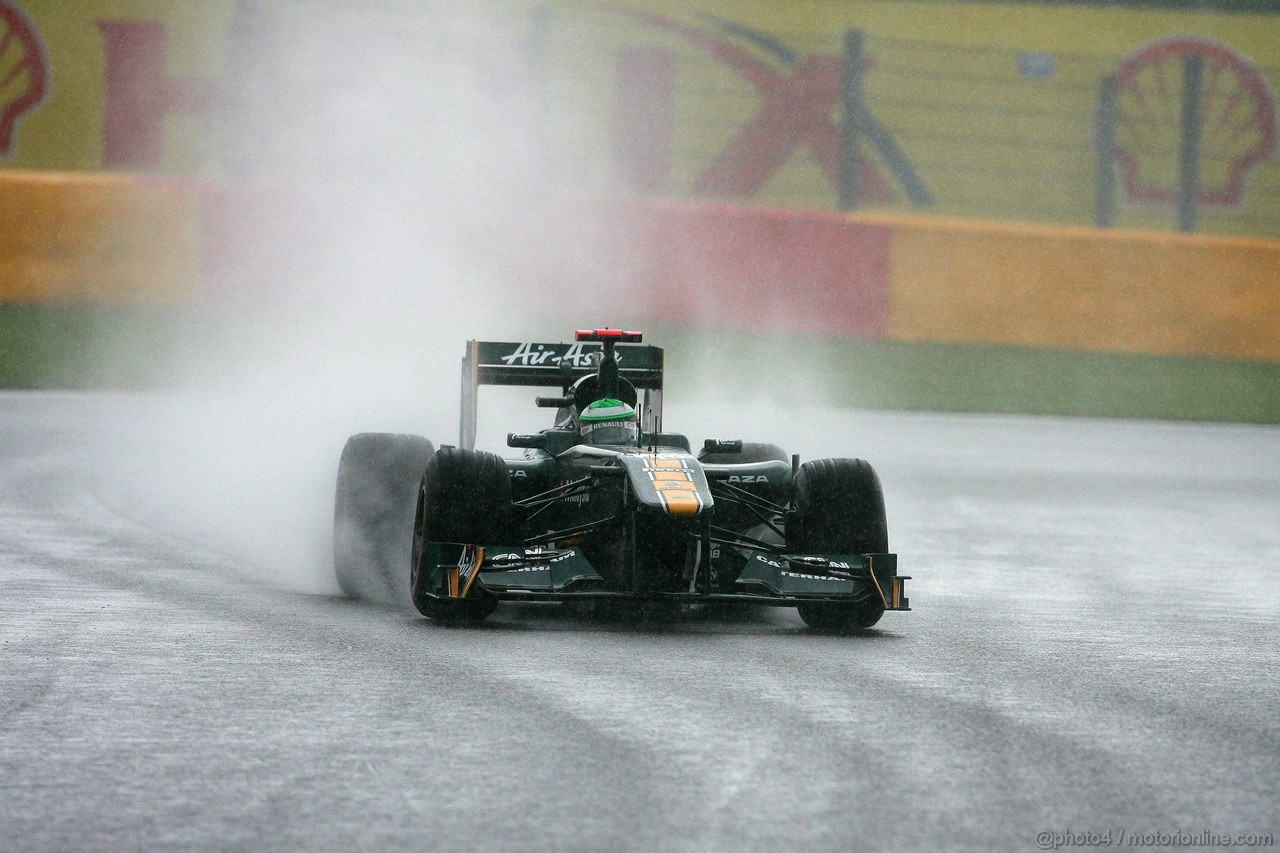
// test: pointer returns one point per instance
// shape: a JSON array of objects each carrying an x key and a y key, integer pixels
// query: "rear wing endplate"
[{"x": 555, "y": 365}]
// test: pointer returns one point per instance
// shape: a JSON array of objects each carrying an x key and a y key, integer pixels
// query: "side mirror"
[
  {"x": 721, "y": 445},
  {"x": 534, "y": 440}
]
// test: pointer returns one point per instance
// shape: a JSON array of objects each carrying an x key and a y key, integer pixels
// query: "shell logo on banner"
[
  {"x": 24, "y": 72},
  {"x": 1238, "y": 121}
]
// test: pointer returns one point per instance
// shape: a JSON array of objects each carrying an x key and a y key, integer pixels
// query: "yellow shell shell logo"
[
  {"x": 1238, "y": 124},
  {"x": 24, "y": 72}
]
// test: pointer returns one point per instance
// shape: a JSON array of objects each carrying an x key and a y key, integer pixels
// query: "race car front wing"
[{"x": 562, "y": 574}]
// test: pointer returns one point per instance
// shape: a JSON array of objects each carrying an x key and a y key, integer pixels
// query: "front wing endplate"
[
  {"x": 510, "y": 568},
  {"x": 828, "y": 576}
]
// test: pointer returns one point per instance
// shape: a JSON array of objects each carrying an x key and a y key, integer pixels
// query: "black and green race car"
[{"x": 605, "y": 506}]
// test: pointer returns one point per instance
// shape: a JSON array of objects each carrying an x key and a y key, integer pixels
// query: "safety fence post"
[
  {"x": 1189, "y": 142},
  {"x": 1104, "y": 215},
  {"x": 851, "y": 109}
]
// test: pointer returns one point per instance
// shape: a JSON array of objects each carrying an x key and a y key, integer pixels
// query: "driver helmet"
[{"x": 609, "y": 421}]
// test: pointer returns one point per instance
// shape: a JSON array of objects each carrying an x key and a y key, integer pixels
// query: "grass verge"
[
  {"x": 977, "y": 378},
  {"x": 96, "y": 346}
]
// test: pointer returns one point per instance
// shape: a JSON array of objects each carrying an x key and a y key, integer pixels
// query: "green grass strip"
[
  {"x": 793, "y": 368},
  {"x": 84, "y": 346},
  {"x": 95, "y": 346}
]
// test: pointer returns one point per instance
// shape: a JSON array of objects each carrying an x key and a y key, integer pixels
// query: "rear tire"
[
  {"x": 373, "y": 514},
  {"x": 839, "y": 510},
  {"x": 464, "y": 496}
]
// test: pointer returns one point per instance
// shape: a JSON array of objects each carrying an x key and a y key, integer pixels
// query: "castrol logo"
[{"x": 24, "y": 72}]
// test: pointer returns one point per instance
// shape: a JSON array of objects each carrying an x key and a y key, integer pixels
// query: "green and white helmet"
[{"x": 609, "y": 421}]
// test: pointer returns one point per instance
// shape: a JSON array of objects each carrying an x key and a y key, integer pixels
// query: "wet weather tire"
[
  {"x": 373, "y": 514},
  {"x": 464, "y": 497},
  {"x": 839, "y": 510}
]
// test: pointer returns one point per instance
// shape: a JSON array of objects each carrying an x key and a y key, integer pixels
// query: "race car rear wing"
[{"x": 555, "y": 365}]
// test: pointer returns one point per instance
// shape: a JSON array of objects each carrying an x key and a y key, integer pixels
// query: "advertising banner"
[
  {"x": 985, "y": 110},
  {"x": 121, "y": 85}
]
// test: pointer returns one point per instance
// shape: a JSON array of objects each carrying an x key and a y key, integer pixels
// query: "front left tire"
[{"x": 464, "y": 497}]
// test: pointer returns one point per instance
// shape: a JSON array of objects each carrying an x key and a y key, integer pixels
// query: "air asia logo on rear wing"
[
  {"x": 523, "y": 363},
  {"x": 574, "y": 355},
  {"x": 550, "y": 365}
]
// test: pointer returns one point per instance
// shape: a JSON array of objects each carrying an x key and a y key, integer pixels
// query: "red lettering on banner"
[
  {"x": 140, "y": 94},
  {"x": 798, "y": 112}
]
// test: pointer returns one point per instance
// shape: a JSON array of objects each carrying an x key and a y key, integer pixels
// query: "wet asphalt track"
[{"x": 1094, "y": 647}]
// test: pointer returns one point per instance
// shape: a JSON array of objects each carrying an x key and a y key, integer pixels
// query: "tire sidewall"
[
  {"x": 464, "y": 496},
  {"x": 373, "y": 514},
  {"x": 838, "y": 509}
]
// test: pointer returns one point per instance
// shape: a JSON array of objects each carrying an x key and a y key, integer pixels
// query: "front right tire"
[{"x": 839, "y": 510}]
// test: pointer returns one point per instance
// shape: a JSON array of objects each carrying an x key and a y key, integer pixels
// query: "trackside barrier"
[
  {"x": 913, "y": 278},
  {"x": 75, "y": 237},
  {"x": 752, "y": 268},
  {"x": 1082, "y": 288}
]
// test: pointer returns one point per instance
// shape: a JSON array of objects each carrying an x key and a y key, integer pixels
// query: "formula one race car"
[{"x": 605, "y": 506}]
